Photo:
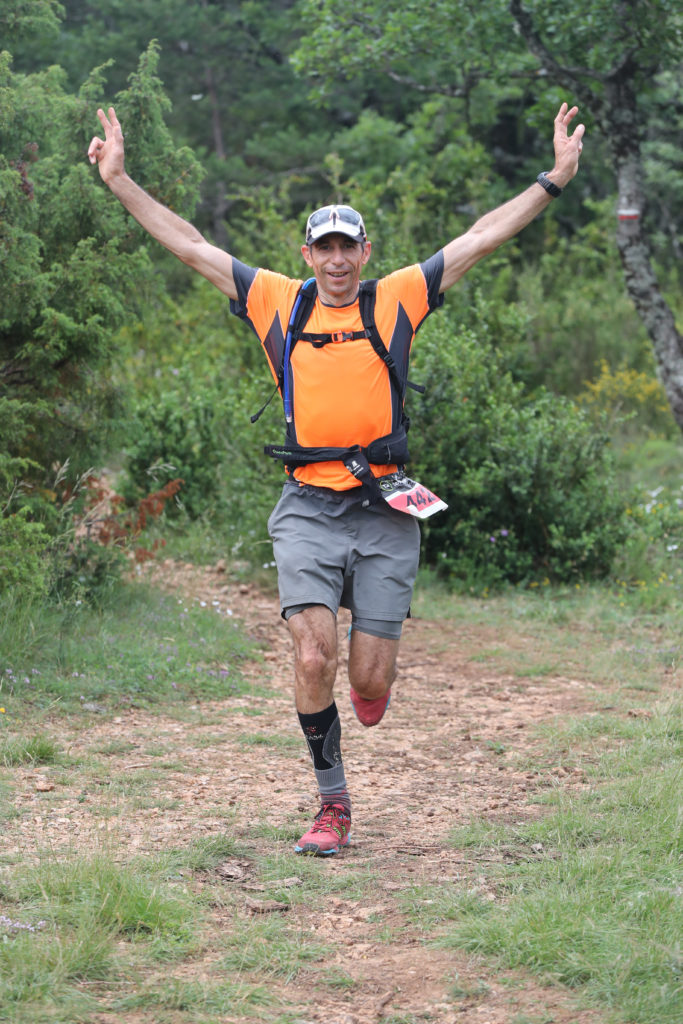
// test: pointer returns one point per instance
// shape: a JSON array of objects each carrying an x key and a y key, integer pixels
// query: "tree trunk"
[
  {"x": 616, "y": 113},
  {"x": 633, "y": 244}
]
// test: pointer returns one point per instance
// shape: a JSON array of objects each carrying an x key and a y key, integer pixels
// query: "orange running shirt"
[{"x": 342, "y": 393}]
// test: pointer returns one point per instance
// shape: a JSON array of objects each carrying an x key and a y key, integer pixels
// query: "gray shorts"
[{"x": 330, "y": 550}]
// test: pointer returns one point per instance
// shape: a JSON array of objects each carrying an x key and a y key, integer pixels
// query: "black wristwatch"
[{"x": 551, "y": 188}]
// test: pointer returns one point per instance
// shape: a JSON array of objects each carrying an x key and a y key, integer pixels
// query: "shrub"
[
  {"x": 72, "y": 540},
  {"x": 631, "y": 394},
  {"x": 529, "y": 484},
  {"x": 199, "y": 429},
  {"x": 24, "y": 564},
  {"x": 650, "y": 559},
  {"x": 182, "y": 433}
]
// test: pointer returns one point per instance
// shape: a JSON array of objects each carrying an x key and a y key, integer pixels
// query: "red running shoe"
[
  {"x": 330, "y": 831},
  {"x": 369, "y": 712}
]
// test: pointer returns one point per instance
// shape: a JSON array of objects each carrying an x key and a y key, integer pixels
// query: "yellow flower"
[{"x": 2, "y": 711}]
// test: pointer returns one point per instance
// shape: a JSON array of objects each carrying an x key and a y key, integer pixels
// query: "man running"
[{"x": 342, "y": 373}]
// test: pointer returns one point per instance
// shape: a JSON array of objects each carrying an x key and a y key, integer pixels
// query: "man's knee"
[
  {"x": 314, "y": 656},
  {"x": 372, "y": 664},
  {"x": 372, "y": 681},
  {"x": 313, "y": 631}
]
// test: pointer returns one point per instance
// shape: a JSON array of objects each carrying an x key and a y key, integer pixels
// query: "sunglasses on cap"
[{"x": 328, "y": 219}]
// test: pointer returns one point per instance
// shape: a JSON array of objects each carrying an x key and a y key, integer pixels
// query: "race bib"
[{"x": 406, "y": 495}]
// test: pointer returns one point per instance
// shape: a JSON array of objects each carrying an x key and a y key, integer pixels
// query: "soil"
[{"x": 444, "y": 754}]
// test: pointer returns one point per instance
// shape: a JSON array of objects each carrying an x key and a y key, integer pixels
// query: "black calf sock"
[{"x": 323, "y": 735}]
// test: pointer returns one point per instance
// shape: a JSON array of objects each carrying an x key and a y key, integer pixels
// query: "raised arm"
[
  {"x": 504, "y": 223},
  {"x": 176, "y": 234}
]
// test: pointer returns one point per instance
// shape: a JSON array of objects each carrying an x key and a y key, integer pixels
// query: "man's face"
[{"x": 337, "y": 261}]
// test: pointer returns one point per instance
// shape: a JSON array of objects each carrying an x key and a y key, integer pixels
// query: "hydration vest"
[{"x": 392, "y": 449}]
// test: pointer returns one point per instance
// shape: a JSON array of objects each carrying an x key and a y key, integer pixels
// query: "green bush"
[
  {"x": 650, "y": 559},
  {"x": 182, "y": 432},
  {"x": 635, "y": 399},
  {"x": 529, "y": 484},
  {"x": 198, "y": 428},
  {"x": 24, "y": 564}
]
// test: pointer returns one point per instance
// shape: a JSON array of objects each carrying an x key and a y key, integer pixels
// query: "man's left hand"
[{"x": 567, "y": 147}]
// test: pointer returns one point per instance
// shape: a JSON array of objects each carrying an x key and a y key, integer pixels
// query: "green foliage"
[
  {"x": 598, "y": 37},
  {"x": 201, "y": 376},
  {"x": 636, "y": 397},
  {"x": 23, "y": 556},
  {"x": 441, "y": 47},
  {"x": 70, "y": 263},
  {"x": 201, "y": 433},
  {"x": 20, "y": 19},
  {"x": 450, "y": 48},
  {"x": 662, "y": 169},
  {"x": 183, "y": 432},
  {"x": 402, "y": 177},
  {"x": 529, "y": 484},
  {"x": 59, "y": 275},
  {"x": 84, "y": 570},
  {"x": 651, "y": 560},
  {"x": 70, "y": 266},
  {"x": 222, "y": 65},
  {"x": 571, "y": 330}
]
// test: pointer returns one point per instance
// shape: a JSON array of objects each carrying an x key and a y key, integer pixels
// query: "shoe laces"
[{"x": 332, "y": 817}]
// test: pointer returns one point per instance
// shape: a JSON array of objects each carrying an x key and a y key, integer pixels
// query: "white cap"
[{"x": 335, "y": 219}]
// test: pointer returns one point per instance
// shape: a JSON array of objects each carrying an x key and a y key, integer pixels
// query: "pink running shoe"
[
  {"x": 330, "y": 831},
  {"x": 369, "y": 712}
]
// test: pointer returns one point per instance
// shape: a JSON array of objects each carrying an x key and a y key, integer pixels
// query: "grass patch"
[
  {"x": 126, "y": 900},
  {"x": 144, "y": 647},
  {"x": 623, "y": 647},
  {"x": 592, "y": 900},
  {"x": 203, "y": 855},
  {"x": 41, "y": 974},
  {"x": 303, "y": 882},
  {"x": 183, "y": 996},
  {"x": 64, "y": 924},
  {"x": 269, "y": 948},
  {"x": 338, "y": 979},
  {"x": 270, "y": 741},
  {"x": 17, "y": 750}
]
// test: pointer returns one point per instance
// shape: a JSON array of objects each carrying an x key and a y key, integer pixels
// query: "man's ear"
[
  {"x": 306, "y": 253},
  {"x": 366, "y": 252}
]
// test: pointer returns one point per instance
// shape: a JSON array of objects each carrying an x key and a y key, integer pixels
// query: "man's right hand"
[
  {"x": 176, "y": 234},
  {"x": 108, "y": 153}
]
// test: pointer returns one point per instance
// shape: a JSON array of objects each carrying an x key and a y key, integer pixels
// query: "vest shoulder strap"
[
  {"x": 298, "y": 318},
  {"x": 366, "y": 300}
]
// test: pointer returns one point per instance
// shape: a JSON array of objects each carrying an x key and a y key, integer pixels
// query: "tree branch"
[
  {"x": 570, "y": 77},
  {"x": 455, "y": 91}
]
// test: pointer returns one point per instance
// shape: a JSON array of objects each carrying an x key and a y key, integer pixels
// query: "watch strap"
[{"x": 551, "y": 188}]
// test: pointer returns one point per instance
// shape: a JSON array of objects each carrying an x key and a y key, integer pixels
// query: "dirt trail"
[{"x": 433, "y": 762}]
